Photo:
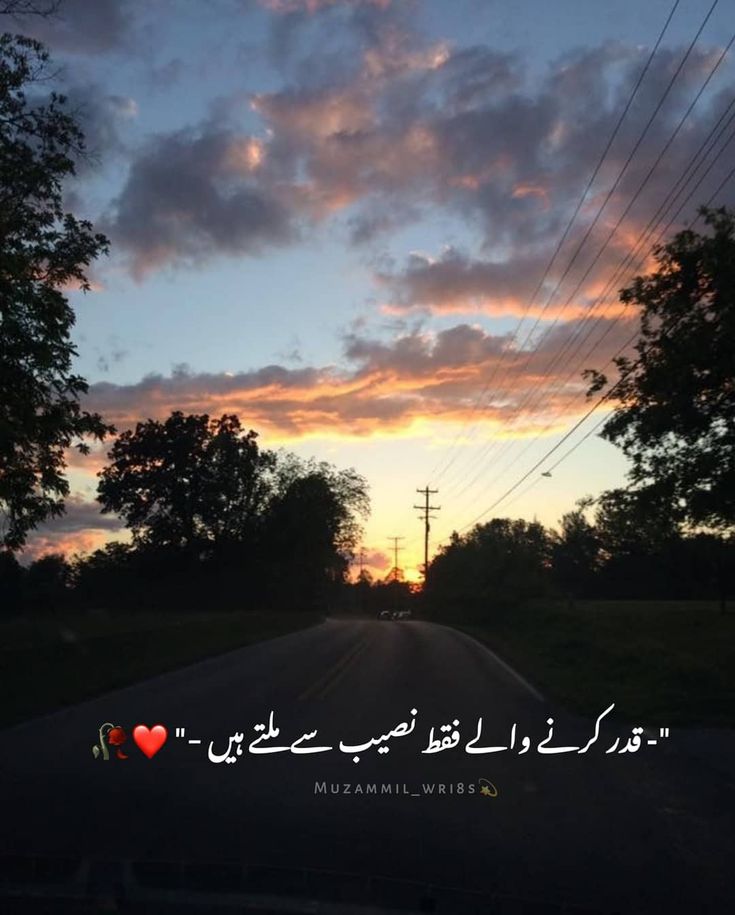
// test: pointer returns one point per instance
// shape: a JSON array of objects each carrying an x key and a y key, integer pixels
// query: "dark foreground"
[{"x": 639, "y": 832}]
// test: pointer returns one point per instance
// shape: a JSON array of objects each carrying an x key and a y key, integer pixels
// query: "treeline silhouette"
[
  {"x": 216, "y": 523},
  {"x": 615, "y": 555}
]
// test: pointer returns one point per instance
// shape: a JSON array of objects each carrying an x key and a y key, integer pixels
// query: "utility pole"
[
  {"x": 395, "y": 570},
  {"x": 427, "y": 509}
]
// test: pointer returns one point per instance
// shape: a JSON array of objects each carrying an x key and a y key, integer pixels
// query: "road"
[{"x": 636, "y": 832}]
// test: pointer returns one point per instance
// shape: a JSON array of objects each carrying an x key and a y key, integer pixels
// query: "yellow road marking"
[{"x": 326, "y": 681}]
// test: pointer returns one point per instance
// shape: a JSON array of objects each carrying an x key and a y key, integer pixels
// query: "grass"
[
  {"x": 661, "y": 662},
  {"x": 48, "y": 663}
]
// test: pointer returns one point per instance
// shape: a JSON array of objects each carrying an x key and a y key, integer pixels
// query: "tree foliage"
[
  {"x": 629, "y": 521},
  {"x": 189, "y": 482},
  {"x": 312, "y": 528},
  {"x": 22, "y": 8},
  {"x": 198, "y": 494},
  {"x": 502, "y": 561},
  {"x": 612, "y": 556},
  {"x": 575, "y": 552},
  {"x": 675, "y": 417},
  {"x": 43, "y": 251}
]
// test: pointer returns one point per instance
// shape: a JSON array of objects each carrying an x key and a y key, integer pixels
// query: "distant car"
[
  {"x": 385, "y": 615},
  {"x": 402, "y": 615}
]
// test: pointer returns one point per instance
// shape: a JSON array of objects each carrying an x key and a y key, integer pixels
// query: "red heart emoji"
[{"x": 150, "y": 740}]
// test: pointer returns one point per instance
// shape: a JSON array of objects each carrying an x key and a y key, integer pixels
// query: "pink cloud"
[{"x": 388, "y": 389}]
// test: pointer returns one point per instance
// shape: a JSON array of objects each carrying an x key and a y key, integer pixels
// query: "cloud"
[
  {"x": 114, "y": 357},
  {"x": 456, "y": 283},
  {"x": 81, "y": 27},
  {"x": 103, "y": 118},
  {"x": 91, "y": 463},
  {"x": 191, "y": 195},
  {"x": 81, "y": 515},
  {"x": 377, "y": 560},
  {"x": 377, "y": 563},
  {"x": 86, "y": 541},
  {"x": 386, "y": 127},
  {"x": 80, "y": 529},
  {"x": 316, "y": 6},
  {"x": 387, "y": 389},
  {"x": 403, "y": 387}
]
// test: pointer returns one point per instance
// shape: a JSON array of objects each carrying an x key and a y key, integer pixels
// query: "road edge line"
[{"x": 539, "y": 697}]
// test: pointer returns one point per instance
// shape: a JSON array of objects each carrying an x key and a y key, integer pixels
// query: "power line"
[
  {"x": 589, "y": 323},
  {"x": 624, "y": 264},
  {"x": 566, "y": 231},
  {"x": 605, "y": 202},
  {"x": 624, "y": 375},
  {"x": 661, "y": 234},
  {"x": 530, "y": 394},
  {"x": 395, "y": 571}
]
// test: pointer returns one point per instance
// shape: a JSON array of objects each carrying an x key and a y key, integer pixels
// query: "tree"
[
  {"x": 501, "y": 562},
  {"x": 637, "y": 531},
  {"x": 628, "y": 521},
  {"x": 11, "y": 583},
  {"x": 43, "y": 251},
  {"x": 106, "y": 577},
  {"x": 340, "y": 497},
  {"x": 47, "y": 582},
  {"x": 201, "y": 499},
  {"x": 312, "y": 528},
  {"x": 21, "y": 8},
  {"x": 190, "y": 482},
  {"x": 575, "y": 553},
  {"x": 675, "y": 414}
]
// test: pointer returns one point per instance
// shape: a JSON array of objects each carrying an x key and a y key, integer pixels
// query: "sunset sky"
[{"x": 335, "y": 218}]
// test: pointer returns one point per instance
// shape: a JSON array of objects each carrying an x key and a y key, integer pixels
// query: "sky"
[{"x": 388, "y": 234}]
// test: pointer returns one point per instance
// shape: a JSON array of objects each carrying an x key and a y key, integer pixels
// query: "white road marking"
[{"x": 506, "y": 667}]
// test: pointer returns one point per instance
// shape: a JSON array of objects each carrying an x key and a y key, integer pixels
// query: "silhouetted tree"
[
  {"x": 497, "y": 563},
  {"x": 628, "y": 521},
  {"x": 189, "y": 482},
  {"x": 676, "y": 401},
  {"x": 636, "y": 530},
  {"x": 11, "y": 583},
  {"x": 703, "y": 565},
  {"x": 312, "y": 527},
  {"x": 575, "y": 553},
  {"x": 20, "y": 8},
  {"x": 107, "y": 577},
  {"x": 43, "y": 250},
  {"x": 220, "y": 520},
  {"x": 47, "y": 583}
]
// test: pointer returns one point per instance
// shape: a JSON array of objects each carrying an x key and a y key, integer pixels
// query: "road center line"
[{"x": 327, "y": 680}]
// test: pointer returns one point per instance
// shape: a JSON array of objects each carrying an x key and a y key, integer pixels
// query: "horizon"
[{"x": 335, "y": 220}]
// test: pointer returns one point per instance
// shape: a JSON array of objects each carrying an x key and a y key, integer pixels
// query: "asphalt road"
[{"x": 636, "y": 832}]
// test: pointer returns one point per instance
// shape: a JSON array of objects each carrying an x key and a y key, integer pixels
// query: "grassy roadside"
[
  {"x": 662, "y": 663},
  {"x": 48, "y": 663}
]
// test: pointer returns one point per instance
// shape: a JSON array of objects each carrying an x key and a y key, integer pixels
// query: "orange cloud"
[
  {"x": 68, "y": 544},
  {"x": 92, "y": 462},
  {"x": 455, "y": 283},
  {"x": 411, "y": 386},
  {"x": 244, "y": 155},
  {"x": 80, "y": 529},
  {"x": 390, "y": 388},
  {"x": 532, "y": 190},
  {"x": 398, "y": 129}
]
